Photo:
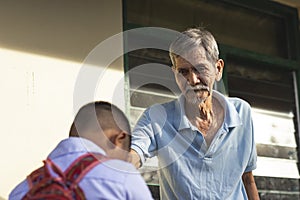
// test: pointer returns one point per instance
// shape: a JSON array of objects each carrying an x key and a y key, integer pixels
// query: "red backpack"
[{"x": 65, "y": 186}]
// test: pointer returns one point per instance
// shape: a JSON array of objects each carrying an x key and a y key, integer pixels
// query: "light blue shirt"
[
  {"x": 187, "y": 168},
  {"x": 113, "y": 179}
]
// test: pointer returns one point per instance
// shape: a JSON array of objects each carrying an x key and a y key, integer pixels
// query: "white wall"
[{"x": 43, "y": 47}]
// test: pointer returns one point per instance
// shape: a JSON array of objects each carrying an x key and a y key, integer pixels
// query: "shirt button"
[{"x": 207, "y": 157}]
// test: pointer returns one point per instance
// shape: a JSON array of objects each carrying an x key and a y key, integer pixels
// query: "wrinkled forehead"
[{"x": 194, "y": 56}]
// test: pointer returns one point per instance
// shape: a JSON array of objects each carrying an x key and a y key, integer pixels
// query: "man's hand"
[{"x": 134, "y": 158}]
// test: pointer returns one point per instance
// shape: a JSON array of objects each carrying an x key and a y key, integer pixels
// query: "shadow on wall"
[{"x": 58, "y": 29}]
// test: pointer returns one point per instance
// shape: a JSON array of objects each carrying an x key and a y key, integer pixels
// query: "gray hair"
[{"x": 194, "y": 38}]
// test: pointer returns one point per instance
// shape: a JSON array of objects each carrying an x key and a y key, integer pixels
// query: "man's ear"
[
  {"x": 219, "y": 68},
  {"x": 173, "y": 68}
]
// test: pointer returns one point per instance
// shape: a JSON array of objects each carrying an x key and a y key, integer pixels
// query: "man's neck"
[
  {"x": 201, "y": 110},
  {"x": 207, "y": 116}
]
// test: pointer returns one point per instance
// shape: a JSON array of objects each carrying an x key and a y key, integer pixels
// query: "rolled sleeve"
[
  {"x": 143, "y": 141},
  {"x": 253, "y": 155}
]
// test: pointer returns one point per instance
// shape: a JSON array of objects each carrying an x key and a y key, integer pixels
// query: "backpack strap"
[
  {"x": 81, "y": 166},
  {"x": 37, "y": 176},
  {"x": 71, "y": 177},
  {"x": 78, "y": 169},
  {"x": 41, "y": 179}
]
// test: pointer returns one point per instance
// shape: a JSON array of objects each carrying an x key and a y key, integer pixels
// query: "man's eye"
[
  {"x": 184, "y": 72},
  {"x": 202, "y": 71}
]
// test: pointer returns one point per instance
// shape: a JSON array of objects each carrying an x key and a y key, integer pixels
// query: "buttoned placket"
[{"x": 208, "y": 153}]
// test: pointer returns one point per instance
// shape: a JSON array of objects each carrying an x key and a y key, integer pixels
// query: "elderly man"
[{"x": 204, "y": 140}]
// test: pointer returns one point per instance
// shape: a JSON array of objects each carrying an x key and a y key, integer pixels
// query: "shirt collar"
[
  {"x": 75, "y": 145},
  {"x": 231, "y": 119},
  {"x": 181, "y": 120}
]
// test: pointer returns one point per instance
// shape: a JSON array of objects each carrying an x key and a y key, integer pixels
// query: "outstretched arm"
[{"x": 250, "y": 186}]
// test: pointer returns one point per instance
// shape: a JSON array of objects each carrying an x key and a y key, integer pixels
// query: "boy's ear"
[{"x": 120, "y": 139}]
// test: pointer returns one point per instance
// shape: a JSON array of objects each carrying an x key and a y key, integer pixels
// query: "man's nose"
[{"x": 193, "y": 78}]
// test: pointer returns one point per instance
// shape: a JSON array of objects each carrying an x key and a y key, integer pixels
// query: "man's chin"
[
  {"x": 193, "y": 99},
  {"x": 196, "y": 98}
]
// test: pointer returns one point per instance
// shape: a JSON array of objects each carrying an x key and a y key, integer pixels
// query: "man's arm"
[
  {"x": 135, "y": 158},
  {"x": 250, "y": 186}
]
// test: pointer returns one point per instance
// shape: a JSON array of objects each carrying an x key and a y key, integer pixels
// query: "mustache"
[{"x": 198, "y": 87}]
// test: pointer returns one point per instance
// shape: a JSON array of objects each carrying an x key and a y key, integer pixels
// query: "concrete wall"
[{"x": 44, "y": 49}]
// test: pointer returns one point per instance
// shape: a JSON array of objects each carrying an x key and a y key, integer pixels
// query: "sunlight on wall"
[
  {"x": 275, "y": 129},
  {"x": 37, "y": 109}
]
